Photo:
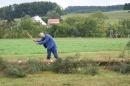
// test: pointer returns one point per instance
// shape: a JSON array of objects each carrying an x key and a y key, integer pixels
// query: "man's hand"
[{"x": 36, "y": 42}]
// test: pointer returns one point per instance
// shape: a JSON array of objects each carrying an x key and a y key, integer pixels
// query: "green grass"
[
  {"x": 105, "y": 78},
  {"x": 72, "y": 14},
  {"x": 13, "y": 49},
  {"x": 114, "y": 16},
  {"x": 27, "y": 46}
]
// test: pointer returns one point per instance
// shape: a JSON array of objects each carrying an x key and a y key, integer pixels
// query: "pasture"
[
  {"x": 114, "y": 16},
  {"x": 14, "y": 49},
  {"x": 87, "y": 48}
]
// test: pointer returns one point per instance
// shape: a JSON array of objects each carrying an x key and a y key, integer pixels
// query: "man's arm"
[
  {"x": 44, "y": 41},
  {"x": 36, "y": 41}
]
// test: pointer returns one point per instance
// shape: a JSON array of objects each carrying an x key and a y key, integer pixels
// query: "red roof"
[{"x": 53, "y": 21}]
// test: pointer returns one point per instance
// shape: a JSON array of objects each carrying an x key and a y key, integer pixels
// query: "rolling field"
[
  {"x": 114, "y": 16},
  {"x": 87, "y": 48}
]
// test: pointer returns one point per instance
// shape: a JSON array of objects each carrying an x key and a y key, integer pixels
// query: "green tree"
[
  {"x": 87, "y": 27},
  {"x": 101, "y": 25},
  {"x": 52, "y": 30},
  {"x": 32, "y": 9},
  {"x": 52, "y": 14},
  {"x": 126, "y": 6},
  {"x": 76, "y": 25},
  {"x": 59, "y": 30},
  {"x": 73, "y": 32},
  {"x": 2, "y": 28},
  {"x": 72, "y": 20},
  {"x": 99, "y": 16},
  {"x": 124, "y": 28},
  {"x": 26, "y": 24},
  {"x": 5, "y": 13},
  {"x": 101, "y": 29},
  {"x": 37, "y": 28},
  {"x": 59, "y": 10},
  {"x": 62, "y": 30},
  {"x": 44, "y": 18}
]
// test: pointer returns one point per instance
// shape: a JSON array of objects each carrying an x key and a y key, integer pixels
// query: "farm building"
[
  {"x": 53, "y": 21},
  {"x": 38, "y": 19}
]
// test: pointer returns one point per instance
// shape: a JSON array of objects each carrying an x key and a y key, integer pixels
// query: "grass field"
[
  {"x": 15, "y": 49},
  {"x": 12, "y": 49},
  {"x": 87, "y": 47},
  {"x": 114, "y": 16},
  {"x": 105, "y": 78}
]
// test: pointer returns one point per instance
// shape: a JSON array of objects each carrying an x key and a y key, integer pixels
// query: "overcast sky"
[{"x": 65, "y": 3}]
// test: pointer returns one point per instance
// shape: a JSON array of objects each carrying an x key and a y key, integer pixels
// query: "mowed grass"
[
  {"x": 105, "y": 78},
  {"x": 13, "y": 49},
  {"x": 116, "y": 15}
]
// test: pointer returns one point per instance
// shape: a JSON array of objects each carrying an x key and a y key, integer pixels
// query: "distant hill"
[
  {"x": 113, "y": 16},
  {"x": 89, "y": 9}
]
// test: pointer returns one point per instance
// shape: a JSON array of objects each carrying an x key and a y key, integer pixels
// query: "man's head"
[{"x": 42, "y": 35}]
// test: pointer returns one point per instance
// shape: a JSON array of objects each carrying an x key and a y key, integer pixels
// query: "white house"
[{"x": 38, "y": 19}]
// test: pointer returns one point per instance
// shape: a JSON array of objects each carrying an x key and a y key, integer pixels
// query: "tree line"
[
  {"x": 93, "y": 25},
  {"x": 127, "y": 6},
  {"x": 43, "y": 7},
  {"x": 89, "y": 9},
  {"x": 32, "y": 9}
]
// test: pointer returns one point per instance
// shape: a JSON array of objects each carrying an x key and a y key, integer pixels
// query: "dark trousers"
[{"x": 54, "y": 51}]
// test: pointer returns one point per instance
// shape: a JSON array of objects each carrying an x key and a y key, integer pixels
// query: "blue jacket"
[{"x": 47, "y": 41}]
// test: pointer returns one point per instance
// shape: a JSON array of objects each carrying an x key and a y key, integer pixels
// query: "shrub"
[
  {"x": 3, "y": 64},
  {"x": 69, "y": 65},
  {"x": 121, "y": 67},
  {"x": 32, "y": 70},
  {"x": 91, "y": 68},
  {"x": 57, "y": 65},
  {"x": 14, "y": 72},
  {"x": 63, "y": 66},
  {"x": 82, "y": 63},
  {"x": 32, "y": 66},
  {"x": 45, "y": 67}
]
